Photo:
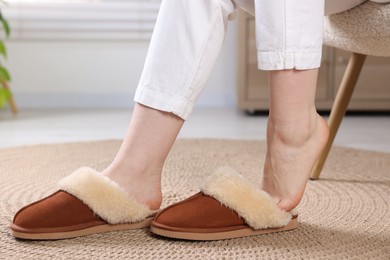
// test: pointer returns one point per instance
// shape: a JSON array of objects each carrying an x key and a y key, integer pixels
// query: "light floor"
[{"x": 56, "y": 126}]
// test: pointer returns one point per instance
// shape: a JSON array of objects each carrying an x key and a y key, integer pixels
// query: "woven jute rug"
[{"x": 346, "y": 214}]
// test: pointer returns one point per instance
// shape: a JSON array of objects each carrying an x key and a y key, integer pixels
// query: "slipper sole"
[
  {"x": 221, "y": 235},
  {"x": 82, "y": 232}
]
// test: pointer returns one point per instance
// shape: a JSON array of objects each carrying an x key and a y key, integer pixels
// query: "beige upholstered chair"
[{"x": 363, "y": 30}]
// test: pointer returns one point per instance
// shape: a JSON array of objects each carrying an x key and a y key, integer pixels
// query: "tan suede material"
[
  {"x": 60, "y": 211},
  {"x": 200, "y": 213}
]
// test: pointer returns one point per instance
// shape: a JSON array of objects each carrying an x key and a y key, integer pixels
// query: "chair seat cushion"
[{"x": 364, "y": 29}]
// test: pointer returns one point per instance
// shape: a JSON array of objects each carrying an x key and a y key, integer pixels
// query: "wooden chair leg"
[{"x": 339, "y": 107}]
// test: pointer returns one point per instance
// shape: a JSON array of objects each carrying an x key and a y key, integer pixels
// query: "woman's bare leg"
[
  {"x": 138, "y": 165},
  {"x": 296, "y": 135},
  {"x": 186, "y": 41}
]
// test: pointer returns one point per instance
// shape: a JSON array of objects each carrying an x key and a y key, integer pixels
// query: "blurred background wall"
[{"x": 76, "y": 72}]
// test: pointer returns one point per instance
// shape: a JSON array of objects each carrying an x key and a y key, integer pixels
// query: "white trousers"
[{"x": 189, "y": 34}]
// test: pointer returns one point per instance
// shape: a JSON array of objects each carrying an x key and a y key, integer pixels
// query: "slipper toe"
[
  {"x": 198, "y": 213},
  {"x": 55, "y": 212}
]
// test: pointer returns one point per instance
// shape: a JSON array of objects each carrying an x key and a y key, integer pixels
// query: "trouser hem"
[
  {"x": 163, "y": 101},
  {"x": 288, "y": 60}
]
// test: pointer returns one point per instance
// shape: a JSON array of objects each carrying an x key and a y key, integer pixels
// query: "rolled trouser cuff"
[
  {"x": 159, "y": 100},
  {"x": 281, "y": 60}
]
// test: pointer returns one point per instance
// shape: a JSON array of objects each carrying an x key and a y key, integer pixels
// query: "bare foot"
[
  {"x": 293, "y": 148},
  {"x": 143, "y": 185}
]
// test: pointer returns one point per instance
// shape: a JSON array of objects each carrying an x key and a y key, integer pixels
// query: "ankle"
[
  {"x": 141, "y": 183},
  {"x": 293, "y": 132},
  {"x": 134, "y": 170}
]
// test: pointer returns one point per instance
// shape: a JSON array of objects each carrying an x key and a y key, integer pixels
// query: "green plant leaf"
[
  {"x": 5, "y": 95},
  {"x": 5, "y": 24},
  {"x": 4, "y": 75},
  {"x": 3, "y": 49}
]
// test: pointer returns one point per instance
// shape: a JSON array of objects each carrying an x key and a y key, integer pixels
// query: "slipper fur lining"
[
  {"x": 254, "y": 205},
  {"x": 104, "y": 197}
]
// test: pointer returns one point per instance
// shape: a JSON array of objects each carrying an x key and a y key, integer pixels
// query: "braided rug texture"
[{"x": 344, "y": 215}]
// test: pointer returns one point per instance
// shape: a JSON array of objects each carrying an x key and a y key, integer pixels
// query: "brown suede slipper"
[
  {"x": 228, "y": 206},
  {"x": 86, "y": 203}
]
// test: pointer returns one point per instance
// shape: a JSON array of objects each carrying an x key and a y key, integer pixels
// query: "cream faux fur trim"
[
  {"x": 255, "y": 206},
  {"x": 104, "y": 197}
]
